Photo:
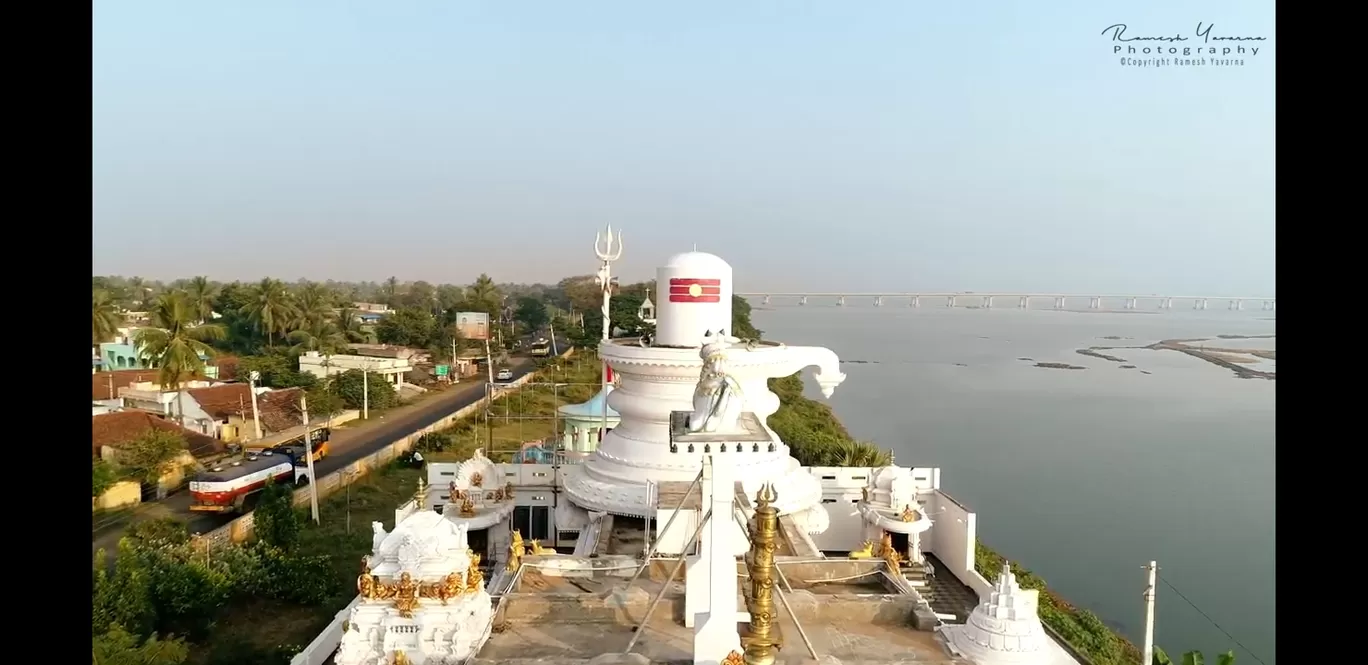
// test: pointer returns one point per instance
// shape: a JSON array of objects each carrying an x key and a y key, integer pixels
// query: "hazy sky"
[{"x": 823, "y": 146}]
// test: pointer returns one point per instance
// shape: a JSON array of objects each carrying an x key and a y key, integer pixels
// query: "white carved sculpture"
[
  {"x": 718, "y": 398},
  {"x": 379, "y": 537}
]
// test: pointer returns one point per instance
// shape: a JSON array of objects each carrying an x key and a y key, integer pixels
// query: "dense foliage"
[
  {"x": 150, "y": 456},
  {"x": 164, "y": 582},
  {"x": 275, "y": 522},
  {"x": 102, "y": 475}
]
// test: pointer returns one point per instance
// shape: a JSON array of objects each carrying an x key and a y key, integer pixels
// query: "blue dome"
[{"x": 592, "y": 408}]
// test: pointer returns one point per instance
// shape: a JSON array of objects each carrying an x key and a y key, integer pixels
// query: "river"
[{"x": 1080, "y": 475}]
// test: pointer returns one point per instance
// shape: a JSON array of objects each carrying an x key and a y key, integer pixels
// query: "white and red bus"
[{"x": 224, "y": 489}]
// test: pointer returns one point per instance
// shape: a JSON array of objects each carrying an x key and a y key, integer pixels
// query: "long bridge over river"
[{"x": 1059, "y": 301}]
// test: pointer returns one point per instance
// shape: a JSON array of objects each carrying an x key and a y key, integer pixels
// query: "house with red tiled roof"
[
  {"x": 225, "y": 411},
  {"x": 109, "y": 432}
]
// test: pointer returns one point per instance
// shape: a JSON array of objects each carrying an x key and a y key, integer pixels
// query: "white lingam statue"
[{"x": 718, "y": 398}]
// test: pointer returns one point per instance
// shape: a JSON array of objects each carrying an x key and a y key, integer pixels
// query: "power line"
[{"x": 1213, "y": 621}]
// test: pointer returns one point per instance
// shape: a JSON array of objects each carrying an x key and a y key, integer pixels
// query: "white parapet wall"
[
  {"x": 323, "y": 646},
  {"x": 952, "y": 538}
]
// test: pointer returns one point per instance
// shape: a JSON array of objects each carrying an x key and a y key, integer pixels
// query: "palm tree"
[
  {"x": 177, "y": 345},
  {"x": 350, "y": 326},
  {"x": 137, "y": 290},
  {"x": 314, "y": 303},
  {"x": 105, "y": 318},
  {"x": 1192, "y": 658},
  {"x": 390, "y": 292},
  {"x": 856, "y": 453},
  {"x": 319, "y": 335},
  {"x": 202, "y": 293},
  {"x": 271, "y": 309}
]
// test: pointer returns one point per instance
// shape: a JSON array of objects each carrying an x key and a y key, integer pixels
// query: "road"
[{"x": 346, "y": 446}]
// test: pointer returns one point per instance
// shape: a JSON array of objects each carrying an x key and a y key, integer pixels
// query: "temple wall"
[{"x": 952, "y": 538}]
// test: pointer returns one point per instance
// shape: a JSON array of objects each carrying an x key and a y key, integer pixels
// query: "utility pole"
[
  {"x": 365, "y": 394},
  {"x": 309, "y": 455},
  {"x": 554, "y": 351},
  {"x": 489, "y": 367},
  {"x": 452, "y": 367},
  {"x": 1147, "y": 656},
  {"x": 256, "y": 413}
]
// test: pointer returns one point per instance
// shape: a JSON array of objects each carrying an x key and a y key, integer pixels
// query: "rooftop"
[
  {"x": 106, "y": 385},
  {"x": 279, "y": 408},
  {"x": 120, "y": 427}
]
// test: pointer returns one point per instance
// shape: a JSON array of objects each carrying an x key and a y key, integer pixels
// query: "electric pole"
[
  {"x": 309, "y": 455},
  {"x": 256, "y": 414},
  {"x": 1147, "y": 656},
  {"x": 365, "y": 394}
]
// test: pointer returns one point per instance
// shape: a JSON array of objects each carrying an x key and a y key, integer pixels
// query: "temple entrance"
[
  {"x": 478, "y": 541},
  {"x": 900, "y": 542}
]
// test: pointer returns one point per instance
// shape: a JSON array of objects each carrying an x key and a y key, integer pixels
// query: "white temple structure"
[
  {"x": 581, "y": 423},
  {"x": 1005, "y": 629},
  {"x": 422, "y": 598},
  {"x": 693, "y": 298}
]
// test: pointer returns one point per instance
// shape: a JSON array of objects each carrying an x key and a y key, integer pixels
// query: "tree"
[
  {"x": 177, "y": 346},
  {"x": 318, "y": 334},
  {"x": 105, "y": 318},
  {"x": 276, "y": 523},
  {"x": 276, "y": 371},
  {"x": 348, "y": 385},
  {"x": 151, "y": 455},
  {"x": 102, "y": 476},
  {"x": 741, "y": 319},
  {"x": 407, "y": 327},
  {"x": 349, "y": 325},
  {"x": 120, "y": 647},
  {"x": 313, "y": 305},
  {"x": 449, "y": 296},
  {"x": 202, "y": 293},
  {"x": 389, "y": 293},
  {"x": 122, "y": 597},
  {"x": 1193, "y": 658},
  {"x": 580, "y": 292},
  {"x": 270, "y": 308},
  {"x": 323, "y": 402},
  {"x": 531, "y": 312},
  {"x": 484, "y": 296}
]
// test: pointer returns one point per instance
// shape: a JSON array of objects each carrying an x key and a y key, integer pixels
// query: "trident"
[{"x": 604, "y": 246}]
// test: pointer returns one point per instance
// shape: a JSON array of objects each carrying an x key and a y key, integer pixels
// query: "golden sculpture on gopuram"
[
  {"x": 474, "y": 578},
  {"x": 889, "y": 553},
  {"x": 450, "y": 587},
  {"x": 508, "y": 491},
  {"x": 467, "y": 507},
  {"x": 400, "y": 658},
  {"x": 761, "y": 643},
  {"x": 476, "y": 480},
  {"x": 733, "y": 658},
  {"x": 405, "y": 595},
  {"x": 453, "y": 494},
  {"x": 365, "y": 582},
  {"x": 909, "y": 515},
  {"x": 536, "y": 548}
]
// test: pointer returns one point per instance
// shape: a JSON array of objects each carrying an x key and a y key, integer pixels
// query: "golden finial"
[
  {"x": 760, "y": 644},
  {"x": 420, "y": 496}
]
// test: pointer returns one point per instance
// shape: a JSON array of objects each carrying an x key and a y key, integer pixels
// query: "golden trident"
[{"x": 760, "y": 647}]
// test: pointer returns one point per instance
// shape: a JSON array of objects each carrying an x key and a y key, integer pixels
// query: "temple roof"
[{"x": 590, "y": 409}]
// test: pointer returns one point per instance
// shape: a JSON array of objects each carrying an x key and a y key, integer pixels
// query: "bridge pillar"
[
  {"x": 1131, "y": 303},
  {"x": 1199, "y": 303},
  {"x": 1095, "y": 303},
  {"x": 767, "y": 299},
  {"x": 802, "y": 300},
  {"x": 1025, "y": 302},
  {"x": 987, "y": 302},
  {"x": 878, "y": 301},
  {"x": 1236, "y": 305},
  {"x": 840, "y": 301},
  {"x": 1267, "y": 306},
  {"x": 916, "y": 301},
  {"x": 1166, "y": 303},
  {"x": 950, "y": 302},
  {"x": 1059, "y": 302}
]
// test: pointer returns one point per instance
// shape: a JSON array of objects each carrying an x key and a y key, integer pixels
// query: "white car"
[{"x": 504, "y": 375}]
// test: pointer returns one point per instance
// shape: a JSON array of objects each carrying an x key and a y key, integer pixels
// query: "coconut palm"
[
  {"x": 321, "y": 335},
  {"x": 105, "y": 318},
  {"x": 314, "y": 304},
  {"x": 390, "y": 292},
  {"x": 270, "y": 309},
  {"x": 856, "y": 453},
  {"x": 350, "y": 326},
  {"x": 176, "y": 346},
  {"x": 202, "y": 293}
]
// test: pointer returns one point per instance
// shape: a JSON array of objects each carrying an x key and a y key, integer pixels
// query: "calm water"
[{"x": 1081, "y": 475}]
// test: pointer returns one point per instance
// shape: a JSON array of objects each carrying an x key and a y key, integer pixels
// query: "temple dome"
[
  {"x": 425, "y": 545},
  {"x": 592, "y": 408},
  {"x": 710, "y": 264}
]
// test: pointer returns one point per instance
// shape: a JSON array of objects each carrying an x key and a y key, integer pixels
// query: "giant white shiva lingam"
[
  {"x": 422, "y": 597},
  {"x": 694, "y": 307}
]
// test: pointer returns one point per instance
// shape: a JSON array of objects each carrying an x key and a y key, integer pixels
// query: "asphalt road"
[{"x": 345, "y": 447}]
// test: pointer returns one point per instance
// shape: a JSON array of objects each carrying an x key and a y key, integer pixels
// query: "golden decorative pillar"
[
  {"x": 761, "y": 643},
  {"x": 420, "y": 495}
]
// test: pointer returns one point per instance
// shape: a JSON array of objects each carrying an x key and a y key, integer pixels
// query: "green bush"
[
  {"x": 117, "y": 646},
  {"x": 102, "y": 475},
  {"x": 275, "y": 521},
  {"x": 351, "y": 387}
]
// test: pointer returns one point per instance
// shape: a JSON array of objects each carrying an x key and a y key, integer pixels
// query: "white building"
[{"x": 389, "y": 369}]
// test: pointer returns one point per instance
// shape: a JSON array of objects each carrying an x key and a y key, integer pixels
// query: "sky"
[{"x": 823, "y": 146}]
